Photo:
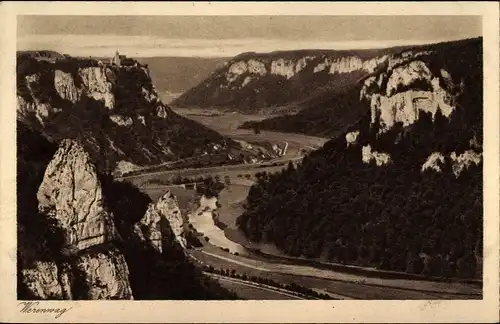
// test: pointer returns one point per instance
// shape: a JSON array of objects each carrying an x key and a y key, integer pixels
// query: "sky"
[{"x": 227, "y": 36}]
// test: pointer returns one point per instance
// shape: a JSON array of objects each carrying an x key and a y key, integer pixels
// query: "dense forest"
[{"x": 335, "y": 207}]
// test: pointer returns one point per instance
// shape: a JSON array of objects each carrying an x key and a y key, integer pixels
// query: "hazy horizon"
[{"x": 228, "y": 36}]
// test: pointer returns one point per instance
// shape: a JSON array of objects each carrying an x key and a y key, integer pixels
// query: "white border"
[{"x": 486, "y": 310}]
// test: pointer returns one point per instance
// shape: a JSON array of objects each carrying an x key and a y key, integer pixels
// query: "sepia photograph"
[{"x": 256, "y": 157}]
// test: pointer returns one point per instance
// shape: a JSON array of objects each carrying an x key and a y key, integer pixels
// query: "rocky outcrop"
[
  {"x": 105, "y": 274},
  {"x": 44, "y": 280},
  {"x": 367, "y": 155},
  {"x": 88, "y": 266},
  {"x": 351, "y": 138},
  {"x": 97, "y": 81},
  {"x": 459, "y": 163},
  {"x": 435, "y": 162},
  {"x": 71, "y": 193},
  {"x": 121, "y": 121},
  {"x": 78, "y": 99},
  {"x": 401, "y": 93},
  {"x": 464, "y": 161},
  {"x": 162, "y": 223},
  {"x": 65, "y": 86},
  {"x": 253, "y": 81}
]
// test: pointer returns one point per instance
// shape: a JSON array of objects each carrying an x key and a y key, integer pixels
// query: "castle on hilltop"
[{"x": 122, "y": 60}]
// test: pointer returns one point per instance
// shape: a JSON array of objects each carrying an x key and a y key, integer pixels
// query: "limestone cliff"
[
  {"x": 252, "y": 82},
  {"x": 83, "y": 235},
  {"x": 406, "y": 84},
  {"x": 400, "y": 93},
  {"x": 71, "y": 193},
  {"x": 114, "y": 112},
  {"x": 162, "y": 224},
  {"x": 88, "y": 265}
]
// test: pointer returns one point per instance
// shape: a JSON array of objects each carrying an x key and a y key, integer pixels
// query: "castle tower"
[{"x": 116, "y": 60}]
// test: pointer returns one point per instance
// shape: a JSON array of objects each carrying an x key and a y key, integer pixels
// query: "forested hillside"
[{"x": 395, "y": 193}]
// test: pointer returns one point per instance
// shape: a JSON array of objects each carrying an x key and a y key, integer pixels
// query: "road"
[
  {"x": 251, "y": 288},
  {"x": 215, "y": 169}
]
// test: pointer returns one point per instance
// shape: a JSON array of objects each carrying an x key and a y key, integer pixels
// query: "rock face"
[
  {"x": 106, "y": 275},
  {"x": 465, "y": 160},
  {"x": 77, "y": 99},
  {"x": 97, "y": 81},
  {"x": 351, "y": 138},
  {"x": 253, "y": 81},
  {"x": 162, "y": 223},
  {"x": 71, "y": 193},
  {"x": 43, "y": 280},
  {"x": 368, "y": 156},
  {"x": 435, "y": 162},
  {"x": 65, "y": 86},
  {"x": 401, "y": 93},
  {"x": 396, "y": 87}
]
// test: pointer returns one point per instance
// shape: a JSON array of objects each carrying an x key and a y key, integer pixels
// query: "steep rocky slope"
[
  {"x": 281, "y": 82},
  {"x": 82, "y": 235},
  {"x": 424, "y": 78},
  {"x": 114, "y": 112},
  {"x": 401, "y": 188}
]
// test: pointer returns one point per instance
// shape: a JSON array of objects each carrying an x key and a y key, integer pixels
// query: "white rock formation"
[
  {"x": 464, "y": 161},
  {"x": 404, "y": 57},
  {"x": 435, "y": 162},
  {"x": 65, "y": 86},
  {"x": 285, "y": 68},
  {"x": 121, "y": 120},
  {"x": 346, "y": 65},
  {"x": 349, "y": 64},
  {"x": 246, "y": 81},
  {"x": 45, "y": 281},
  {"x": 405, "y": 106},
  {"x": 142, "y": 120},
  {"x": 99, "y": 87},
  {"x": 106, "y": 275},
  {"x": 302, "y": 63},
  {"x": 322, "y": 65},
  {"x": 41, "y": 111},
  {"x": 165, "y": 209},
  {"x": 380, "y": 158},
  {"x": 407, "y": 74},
  {"x": 256, "y": 67},
  {"x": 351, "y": 138},
  {"x": 71, "y": 194}
]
